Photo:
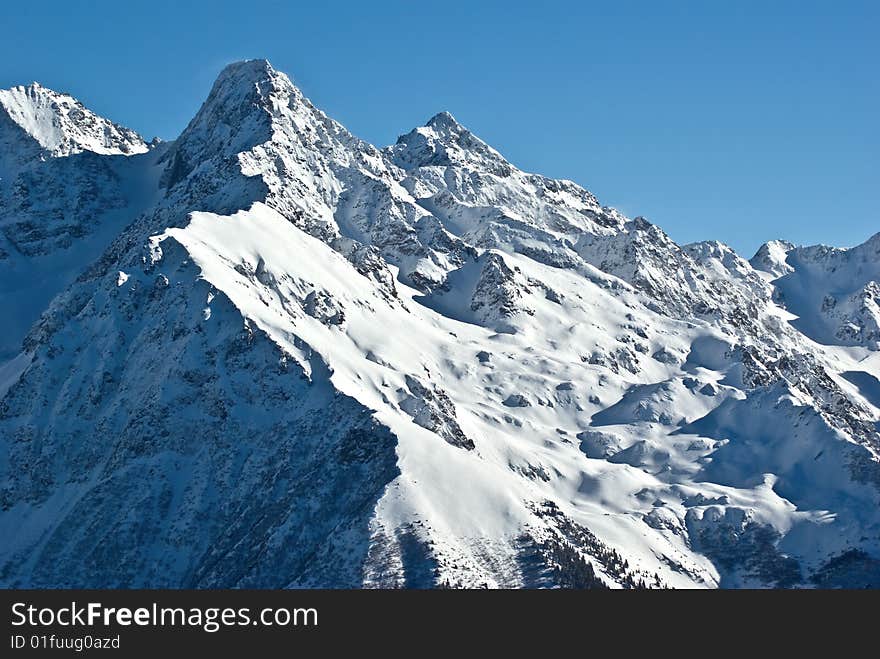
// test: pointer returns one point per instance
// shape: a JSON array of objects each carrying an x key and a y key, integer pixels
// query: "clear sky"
[{"x": 739, "y": 121}]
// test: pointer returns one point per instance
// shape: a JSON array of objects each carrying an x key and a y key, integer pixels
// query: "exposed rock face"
[
  {"x": 499, "y": 291},
  {"x": 431, "y": 408},
  {"x": 269, "y": 354}
]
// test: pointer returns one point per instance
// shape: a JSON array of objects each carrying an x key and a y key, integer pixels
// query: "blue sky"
[{"x": 740, "y": 121}]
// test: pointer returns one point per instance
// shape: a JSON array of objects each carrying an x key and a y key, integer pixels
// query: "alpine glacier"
[{"x": 269, "y": 354}]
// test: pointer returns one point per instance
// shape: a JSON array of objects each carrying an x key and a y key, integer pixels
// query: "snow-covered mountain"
[
  {"x": 38, "y": 123},
  {"x": 68, "y": 186},
  {"x": 833, "y": 291},
  {"x": 269, "y": 354}
]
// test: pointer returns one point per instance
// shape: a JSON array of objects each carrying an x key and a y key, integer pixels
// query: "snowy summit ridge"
[
  {"x": 301, "y": 360},
  {"x": 58, "y": 125}
]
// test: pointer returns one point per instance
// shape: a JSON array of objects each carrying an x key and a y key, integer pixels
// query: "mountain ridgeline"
[{"x": 271, "y": 355}]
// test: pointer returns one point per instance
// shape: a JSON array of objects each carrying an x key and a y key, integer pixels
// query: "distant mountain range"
[{"x": 269, "y": 354}]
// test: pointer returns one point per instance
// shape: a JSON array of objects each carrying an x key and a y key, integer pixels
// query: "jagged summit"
[
  {"x": 444, "y": 121},
  {"x": 240, "y": 100},
  {"x": 771, "y": 257},
  {"x": 833, "y": 291},
  {"x": 238, "y": 115},
  {"x": 250, "y": 80},
  {"x": 255, "y": 75},
  {"x": 60, "y": 125},
  {"x": 257, "y": 68},
  {"x": 248, "y": 102},
  {"x": 443, "y": 141}
]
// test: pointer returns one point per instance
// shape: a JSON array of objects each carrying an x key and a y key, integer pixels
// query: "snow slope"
[{"x": 305, "y": 361}]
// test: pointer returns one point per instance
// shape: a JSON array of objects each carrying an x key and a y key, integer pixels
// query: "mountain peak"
[
  {"x": 253, "y": 69},
  {"x": 444, "y": 121},
  {"x": 60, "y": 125},
  {"x": 444, "y": 141},
  {"x": 246, "y": 78},
  {"x": 772, "y": 257},
  {"x": 241, "y": 86}
]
